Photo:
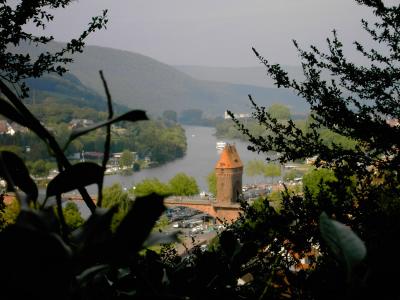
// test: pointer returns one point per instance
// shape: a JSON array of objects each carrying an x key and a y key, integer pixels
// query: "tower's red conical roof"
[{"x": 229, "y": 158}]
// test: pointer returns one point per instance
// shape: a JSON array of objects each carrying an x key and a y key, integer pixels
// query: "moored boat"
[{"x": 221, "y": 145}]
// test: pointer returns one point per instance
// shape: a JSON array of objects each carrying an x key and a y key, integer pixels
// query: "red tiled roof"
[{"x": 229, "y": 158}]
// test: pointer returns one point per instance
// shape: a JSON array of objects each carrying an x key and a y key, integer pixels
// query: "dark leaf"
[
  {"x": 34, "y": 257},
  {"x": 229, "y": 243},
  {"x": 346, "y": 246},
  {"x": 157, "y": 238},
  {"x": 77, "y": 176},
  {"x": 42, "y": 220},
  {"x": 99, "y": 221},
  {"x": 10, "y": 112},
  {"x": 94, "y": 239},
  {"x": 137, "y": 225},
  {"x": 14, "y": 171},
  {"x": 86, "y": 276},
  {"x": 123, "y": 272}
]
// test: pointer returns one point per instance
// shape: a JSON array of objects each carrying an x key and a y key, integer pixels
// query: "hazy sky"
[{"x": 214, "y": 32}]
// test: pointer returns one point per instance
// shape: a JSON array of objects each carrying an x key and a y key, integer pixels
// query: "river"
[{"x": 199, "y": 161}]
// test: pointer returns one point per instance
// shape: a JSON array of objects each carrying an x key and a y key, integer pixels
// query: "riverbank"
[{"x": 199, "y": 161}]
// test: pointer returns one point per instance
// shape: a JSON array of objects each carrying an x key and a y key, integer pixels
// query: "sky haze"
[{"x": 214, "y": 32}]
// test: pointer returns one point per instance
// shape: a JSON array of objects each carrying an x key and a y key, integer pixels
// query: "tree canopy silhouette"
[
  {"x": 360, "y": 103},
  {"x": 14, "y": 16}
]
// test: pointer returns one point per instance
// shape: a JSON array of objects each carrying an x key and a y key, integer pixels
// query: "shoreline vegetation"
[
  {"x": 131, "y": 146},
  {"x": 226, "y": 129}
]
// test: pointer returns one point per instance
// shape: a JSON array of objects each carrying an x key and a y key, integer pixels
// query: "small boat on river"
[{"x": 221, "y": 145}]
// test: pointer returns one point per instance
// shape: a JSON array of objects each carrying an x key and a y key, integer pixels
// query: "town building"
[{"x": 237, "y": 116}]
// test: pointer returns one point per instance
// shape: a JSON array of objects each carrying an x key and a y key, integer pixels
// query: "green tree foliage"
[
  {"x": 279, "y": 111},
  {"x": 257, "y": 167},
  {"x": 161, "y": 224},
  {"x": 292, "y": 174},
  {"x": 332, "y": 139},
  {"x": 8, "y": 213},
  {"x": 115, "y": 196},
  {"x": 169, "y": 144},
  {"x": 153, "y": 185},
  {"x": 191, "y": 116},
  {"x": 254, "y": 167},
  {"x": 72, "y": 216},
  {"x": 272, "y": 170},
  {"x": 317, "y": 181},
  {"x": 259, "y": 206},
  {"x": 41, "y": 168},
  {"x": 13, "y": 148},
  {"x": 226, "y": 129},
  {"x": 183, "y": 185},
  {"x": 275, "y": 196},
  {"x": 19, "y": 141},
  {"x": 180, "y": 185},
  {"x": 328, "y": 137},
  {"x": 358, "y": 103},
  {"x": 55, "y": 111},
  {"x": 212, "y": 183},
  {"x": 126, "y": 159}
]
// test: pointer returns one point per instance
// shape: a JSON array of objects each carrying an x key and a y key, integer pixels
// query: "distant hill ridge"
[
  {"x": 256, "y": 76},
  {"x": 140, "y": 82},
  {"x": 67, "y": 88}
]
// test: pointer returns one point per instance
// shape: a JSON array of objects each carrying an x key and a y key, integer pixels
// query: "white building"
[{"x": 237, "y": 116}]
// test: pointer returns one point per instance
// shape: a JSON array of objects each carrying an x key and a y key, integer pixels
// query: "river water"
[{"x": 199, "y": 161}]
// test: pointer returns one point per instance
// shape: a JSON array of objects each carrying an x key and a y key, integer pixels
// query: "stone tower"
[{"x": 229, "y": 171}]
